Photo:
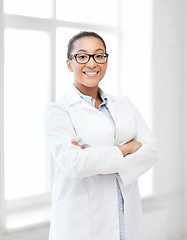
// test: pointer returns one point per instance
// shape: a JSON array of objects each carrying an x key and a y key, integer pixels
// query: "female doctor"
[{"x": 100, "y": 146}]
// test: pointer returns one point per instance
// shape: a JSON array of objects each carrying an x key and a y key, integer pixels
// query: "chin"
[{"x": 90, "y": 83}]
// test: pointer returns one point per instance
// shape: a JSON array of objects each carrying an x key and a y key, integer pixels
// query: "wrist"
[{"x": 124, "y": 149}]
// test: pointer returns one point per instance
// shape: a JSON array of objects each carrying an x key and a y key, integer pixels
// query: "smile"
[{"x": 91, "y": 73}]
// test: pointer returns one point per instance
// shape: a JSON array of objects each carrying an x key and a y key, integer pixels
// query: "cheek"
[
  {"x": 76, "y": 69},
  {"x": 104, "y": 69},
  {"x": 105, "y": 66}
]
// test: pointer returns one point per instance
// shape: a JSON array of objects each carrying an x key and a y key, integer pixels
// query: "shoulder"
[
  {"x": 57, "y": 108},
  {"x": 122, "y": 103},
  {"x": 57, "y": 114},
  {"x": 69, "y": 98},
  {"x": 118, "y": 99}
]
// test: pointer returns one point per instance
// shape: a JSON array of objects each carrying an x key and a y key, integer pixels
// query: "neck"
[{"x": 89, "y": 91}]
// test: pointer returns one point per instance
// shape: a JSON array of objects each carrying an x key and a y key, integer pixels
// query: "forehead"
[{"x": 89, "y": 44}]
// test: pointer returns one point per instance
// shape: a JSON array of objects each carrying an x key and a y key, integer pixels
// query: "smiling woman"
[
  {"x": 87, "y": 71},
  {"x": 100, "y": 146}
]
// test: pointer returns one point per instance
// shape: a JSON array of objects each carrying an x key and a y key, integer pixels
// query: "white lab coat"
[{"x": 84, "y": 200}]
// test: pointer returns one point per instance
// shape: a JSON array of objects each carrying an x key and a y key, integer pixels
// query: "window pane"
[
  {"x": 26, "y": 85},
  {"x": 65, "y": 78},
  {"x": 33, "y": 8},
  {"x": 98, "y": 12}
]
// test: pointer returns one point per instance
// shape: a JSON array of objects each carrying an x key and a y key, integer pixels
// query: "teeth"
[{"x": 90, "y": 73}]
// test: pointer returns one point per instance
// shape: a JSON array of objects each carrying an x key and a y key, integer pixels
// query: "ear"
[
  {"x": 68, "y": 62},
  {"x": 107, "y": 62}
]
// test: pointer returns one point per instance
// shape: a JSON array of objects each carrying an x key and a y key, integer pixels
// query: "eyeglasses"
[{"x": 83, "y": 58}]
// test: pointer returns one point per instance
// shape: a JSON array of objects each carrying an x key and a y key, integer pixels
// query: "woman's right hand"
[{"x": 130, "y": 147}]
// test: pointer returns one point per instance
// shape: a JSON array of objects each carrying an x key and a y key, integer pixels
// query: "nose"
[{"x": 91, "y": 63}]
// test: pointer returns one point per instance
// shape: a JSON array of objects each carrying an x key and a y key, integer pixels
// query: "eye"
[
  {"x": 99, "y": 56},
  {"x": 82, "y": 56}
]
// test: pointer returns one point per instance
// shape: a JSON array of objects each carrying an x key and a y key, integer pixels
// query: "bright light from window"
[
  {"x": 86, "y": 11},
  {"x": 27, "y": 70},
  {"x": 33, "y": 8}
]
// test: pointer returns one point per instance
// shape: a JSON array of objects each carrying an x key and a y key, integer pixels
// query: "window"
[
  {"x": 34, "y": 8},
  {"x": 33, "y": 73},
  {"x": 25, "y": 95}
]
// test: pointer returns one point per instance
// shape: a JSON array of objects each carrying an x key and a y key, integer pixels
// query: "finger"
[{"x": 76, "y": 143}]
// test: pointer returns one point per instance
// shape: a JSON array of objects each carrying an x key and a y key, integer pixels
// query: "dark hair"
[{"x": 81, "y": 35}]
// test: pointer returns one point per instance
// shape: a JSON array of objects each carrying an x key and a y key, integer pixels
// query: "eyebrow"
[
  {"x": 83, "y": 50},
  {"x": 99, "y": 49}
]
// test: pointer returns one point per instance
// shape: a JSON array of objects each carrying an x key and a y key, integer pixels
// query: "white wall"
[
  {"x": 185, "y": 112},
  {"x": 164, "y": 214},
  {"x": 166, "y": 221}
]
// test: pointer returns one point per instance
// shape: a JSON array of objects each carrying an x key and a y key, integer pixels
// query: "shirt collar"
[{"x": 91, "y": 100}]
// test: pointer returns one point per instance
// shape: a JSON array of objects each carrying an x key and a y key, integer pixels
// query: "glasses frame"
[{"x": 90, "y": 55}]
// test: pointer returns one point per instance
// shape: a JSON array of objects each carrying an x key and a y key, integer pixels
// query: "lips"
[{"x": 91, "y": 73}]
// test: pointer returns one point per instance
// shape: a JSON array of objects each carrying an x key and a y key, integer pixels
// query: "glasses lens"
[
  {"x": 100, "y": 57},
  {"x": 82, "y": 58}
]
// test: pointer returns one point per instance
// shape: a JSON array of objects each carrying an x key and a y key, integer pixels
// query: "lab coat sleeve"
[
  {"x": 76, "y": 162},
  {"x": 136, "y": 164}
]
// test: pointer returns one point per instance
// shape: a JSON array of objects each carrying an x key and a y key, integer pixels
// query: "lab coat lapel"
[
  {"x": 87, "y": 106},
  {"x": 111, "y": 107},
  {"x": 73, "y": 97},
  {"x": 112, "y": 110}
]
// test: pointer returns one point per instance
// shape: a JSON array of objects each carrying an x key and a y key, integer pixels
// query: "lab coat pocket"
[{"x": 70, "y": 219}]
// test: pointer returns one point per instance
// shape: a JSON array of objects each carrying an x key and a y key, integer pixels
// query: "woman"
[{"x": 100, "y": 146}]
